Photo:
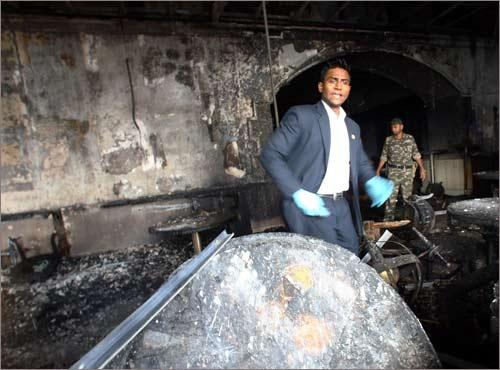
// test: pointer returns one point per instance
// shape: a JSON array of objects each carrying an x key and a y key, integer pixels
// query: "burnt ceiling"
[{"x": 469, "y": 18}]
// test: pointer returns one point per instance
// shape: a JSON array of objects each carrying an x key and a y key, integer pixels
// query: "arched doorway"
[{"x": 387, "y": 85}]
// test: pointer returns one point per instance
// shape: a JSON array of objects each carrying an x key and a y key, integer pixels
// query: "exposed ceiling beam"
[
  {"x": 413, "y": 13},
  {"x": 259, "y": 10},
  {"x": 217, "y": 10},
  {"x": 170, "y": 10},
  {"x": 338, "y": 11},
  {"x": 70, "y": 7},
  {"x": 443, "y": 13},
  {"x": 495, "y": 30},
  {"x": 123, "y": 8},
  {"x": 456, "y": 20},
  {"x": 296, "y": 15}
]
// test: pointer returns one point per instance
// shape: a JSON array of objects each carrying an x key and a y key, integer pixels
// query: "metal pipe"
[
  {"x": 433, "y": 249},
  {"x": 196, "y": 242},
  {"x": 467, "y": 15},
  {"x": 380, "y": 243},
  {"x": 442, "y": 14},
  {"x": 114, "y": 342},
  {"x": 432, "y": 167},
  {"x": 270, "y": 64}
]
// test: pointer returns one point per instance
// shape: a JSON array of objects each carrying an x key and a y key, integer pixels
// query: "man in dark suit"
[{"x": 316, "y": 158}]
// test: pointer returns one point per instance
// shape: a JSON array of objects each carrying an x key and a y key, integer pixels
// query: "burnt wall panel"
[
  {"x": 83, "y": 128},
  {"x": 93, "y": 230},
  {"x": 16, "y": 166},
  {"x": 448, "y": 121},
  {"x": 35, "y": 234}
]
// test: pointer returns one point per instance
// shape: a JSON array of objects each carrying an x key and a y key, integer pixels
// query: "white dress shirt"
[{"x": 336, "y": 177}]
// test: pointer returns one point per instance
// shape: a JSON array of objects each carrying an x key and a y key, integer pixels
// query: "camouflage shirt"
[{"x": 400, "y": 152}]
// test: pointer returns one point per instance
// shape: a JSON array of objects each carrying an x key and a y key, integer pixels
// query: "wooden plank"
[
  {"x": 268, "y": 223},
  {"x": 189, "y": 224}
]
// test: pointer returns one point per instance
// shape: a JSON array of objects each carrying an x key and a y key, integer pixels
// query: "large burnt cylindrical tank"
[
  {"x": 281, "y": 300},
  {"x": 479, "y": 211}
]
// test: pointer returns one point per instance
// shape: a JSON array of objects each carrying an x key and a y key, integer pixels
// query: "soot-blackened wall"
[{"x": 201, "y": 102}]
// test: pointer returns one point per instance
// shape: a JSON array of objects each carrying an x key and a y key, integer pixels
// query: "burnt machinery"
[
  {"x": 446, "y": 267},
  {"x": 408, "y": 238},
  {"x": 396, "y": 262}
]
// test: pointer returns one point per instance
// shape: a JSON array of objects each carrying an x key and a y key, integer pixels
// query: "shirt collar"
[{"x": 331, "y": 113}]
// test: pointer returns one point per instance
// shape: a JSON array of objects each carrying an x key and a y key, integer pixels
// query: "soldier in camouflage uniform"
[{"x": 400, "y": 150}]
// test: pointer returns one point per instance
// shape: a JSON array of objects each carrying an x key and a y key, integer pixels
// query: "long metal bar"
[
  {"x": 258, "y": 11},
  {"x": 433, "y": 249},
  {"x": 117, "y": 339},
  {"x": 337, "y": 12},
  {"x": 412, "y": 14},
  {"x": 270, "y": 64},
  {"x": 431, "y": 160},
  {"x": 196, "y": 242},
  {"x": 301, "y": 10},
  {"x": 217, "y": 10},
  {"x": 456, "y": 20},
  {"x": 380, "y": 243},
  {"x": 442, "y": 14}
]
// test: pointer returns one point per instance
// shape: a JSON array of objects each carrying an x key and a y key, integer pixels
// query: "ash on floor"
[{"x": 53, "y": 323}]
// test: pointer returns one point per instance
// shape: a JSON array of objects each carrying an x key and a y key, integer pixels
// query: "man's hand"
[
  {"x": 381, "y": 164},
  {"x": 310, "y": 204},
  {"x": 379, "y": 190},
  {"x": 423, "y": 174}
]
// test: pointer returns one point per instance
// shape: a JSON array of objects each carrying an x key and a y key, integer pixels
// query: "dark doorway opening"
[{"x": 373, "y": 102}]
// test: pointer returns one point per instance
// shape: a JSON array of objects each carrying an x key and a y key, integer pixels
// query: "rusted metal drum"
[{"x": 280, "y": 300}]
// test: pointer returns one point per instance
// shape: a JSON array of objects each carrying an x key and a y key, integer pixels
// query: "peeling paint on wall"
[
  {"x": 10, "y": 154},
  {"x": 19, "y": 178},
  {"x": 124, "y": 189},
  {"x": 56, "y": 158},
  {"x": 68, "y": 59},
  {"x": 169, "y": 184},
  {"x": 158, "y": 151},
  {"x": 288, "y": 56},
  {"x": 156, "y": 67},
  {"x": 122, "y": 160},
  {"x": 232, "y": 160},
  {"x": 185, "y": 76},
  {"x": 140, "y": 39},
  {"x": 21, "y": 41},
  {"x": 90, "y": 43}
]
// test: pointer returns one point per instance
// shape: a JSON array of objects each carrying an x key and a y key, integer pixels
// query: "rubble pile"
[{"x": 53, "y": 323}]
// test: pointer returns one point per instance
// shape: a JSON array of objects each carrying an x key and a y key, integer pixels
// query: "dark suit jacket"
[{"x": 296, "y": 155}]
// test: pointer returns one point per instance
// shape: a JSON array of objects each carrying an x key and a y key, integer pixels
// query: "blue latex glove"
[
  {"x": 379, "y": 190},
  {"x": 310, "y": 204}
]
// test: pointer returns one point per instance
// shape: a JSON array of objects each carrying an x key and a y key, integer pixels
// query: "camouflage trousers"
[{"x": 402, "y": 178}]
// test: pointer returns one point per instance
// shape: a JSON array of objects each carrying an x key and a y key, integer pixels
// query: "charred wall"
[{"x": 79, "y": 126}]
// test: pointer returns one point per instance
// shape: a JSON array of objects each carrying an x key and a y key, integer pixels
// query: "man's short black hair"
[
  {"x": 336, "y": 63},
  {"x": 396, "y": 121}
]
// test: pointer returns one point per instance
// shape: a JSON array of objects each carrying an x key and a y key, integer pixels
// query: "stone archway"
[
  {"x": 311, "y": 59},
  {"x": 447, "y": 111}
]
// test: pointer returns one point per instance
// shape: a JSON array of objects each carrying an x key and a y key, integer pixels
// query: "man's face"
[
  {"x": 336, "y": 87},
  {"x": 396, "y": 128}
]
